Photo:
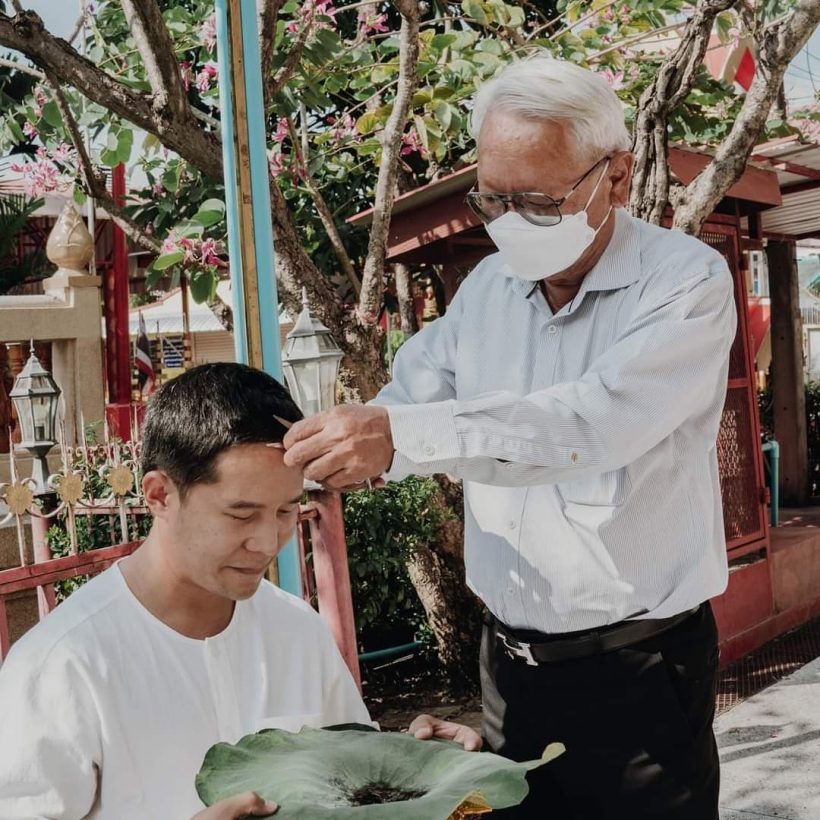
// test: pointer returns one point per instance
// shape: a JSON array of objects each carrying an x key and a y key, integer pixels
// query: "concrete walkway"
[{"x": 770, "y": 751}]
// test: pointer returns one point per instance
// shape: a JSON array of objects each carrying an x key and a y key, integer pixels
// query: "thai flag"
[{"x": 142, "y": 360}]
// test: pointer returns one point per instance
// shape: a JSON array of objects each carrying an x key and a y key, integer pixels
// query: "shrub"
[{"x": 384, "y": 528}]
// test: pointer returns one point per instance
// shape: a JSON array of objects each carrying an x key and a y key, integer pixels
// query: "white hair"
[{"x": 543, "y": 88}]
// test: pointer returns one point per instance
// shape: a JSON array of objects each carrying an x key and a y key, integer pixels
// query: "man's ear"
[
  {"x": 620, "y": 176},
  {"x": 159, "y": 492}
]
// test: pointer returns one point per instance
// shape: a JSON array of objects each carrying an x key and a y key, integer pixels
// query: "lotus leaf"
[{"x": 355, "y": 773}]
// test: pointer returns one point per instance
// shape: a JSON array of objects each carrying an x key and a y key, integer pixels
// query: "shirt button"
[
  {"x": 512, "y": 525},
  {"x": 552, "y": 330},
  {"x": 429, "y": 450}
]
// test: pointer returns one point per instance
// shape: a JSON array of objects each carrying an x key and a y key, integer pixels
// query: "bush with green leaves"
[{"x": 384, "y": 528}]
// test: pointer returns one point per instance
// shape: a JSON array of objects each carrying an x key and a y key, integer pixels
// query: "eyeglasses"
[{"x": 537, "y": 208}]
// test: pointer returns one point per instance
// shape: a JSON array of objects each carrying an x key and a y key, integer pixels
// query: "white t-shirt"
[{"x": 106, "y": 712}]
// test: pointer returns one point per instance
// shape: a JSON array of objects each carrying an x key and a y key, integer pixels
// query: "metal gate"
[{"x": 739, "y": 455}]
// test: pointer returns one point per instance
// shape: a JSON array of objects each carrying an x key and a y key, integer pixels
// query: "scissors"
[{"x": 279, "y": 446}]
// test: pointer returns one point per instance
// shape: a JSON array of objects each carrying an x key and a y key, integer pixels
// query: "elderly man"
[{"x": 576, "y": 384}]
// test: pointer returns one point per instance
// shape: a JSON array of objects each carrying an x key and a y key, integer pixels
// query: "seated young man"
[{"x": 108, "y": 706}]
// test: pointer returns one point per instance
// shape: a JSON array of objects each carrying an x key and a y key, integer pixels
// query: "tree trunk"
[
  {"x": 788, "y": 389},
  {"x": 453, "y": 612},
  {"x": 404, "y": 293}
]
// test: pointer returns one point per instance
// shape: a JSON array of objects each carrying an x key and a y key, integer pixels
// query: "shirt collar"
[
  {"x": 620, "y": 264},
  {"x": 618, "y": 267}
]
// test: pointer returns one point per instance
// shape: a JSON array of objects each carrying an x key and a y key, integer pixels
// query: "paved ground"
[{"x": 770, "y": 751}]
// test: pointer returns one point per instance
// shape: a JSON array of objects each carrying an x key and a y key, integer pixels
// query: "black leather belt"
[{"x": 548, "y": 648}]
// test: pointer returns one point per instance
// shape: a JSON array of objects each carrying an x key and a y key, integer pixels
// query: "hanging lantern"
[
  {"x": 311, "y": 362},
  {"x": 35, "y": 395}
]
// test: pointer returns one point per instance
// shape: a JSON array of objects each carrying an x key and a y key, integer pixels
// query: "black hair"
[{"x": 197, "y": 416}]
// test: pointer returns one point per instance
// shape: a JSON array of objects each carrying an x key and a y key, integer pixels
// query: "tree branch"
[
  {"x": 93, "y": 180},
  {"x": 27, "y": 34},
  {"x": 274, "y": 83},
  {"x": 153, "y": 41},
  {"x": 268, "y": 16},
  {"x": 779, "y": 45},
  {"x": 328, "y": 222},
  {"x": 404, "y": 295},
  {"x": 670, "y": 86},
  {"x": 78, "y": 27},
  {"x": 373, "y": 274},
  {"x": 23, "y": 69}
]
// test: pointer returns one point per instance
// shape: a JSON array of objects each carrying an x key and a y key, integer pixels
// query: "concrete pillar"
[{"x": 789, "y": 399}]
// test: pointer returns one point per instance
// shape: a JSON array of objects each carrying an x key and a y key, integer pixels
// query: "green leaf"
[
  {"x": 443, "y": 112},
  {"x": 79, "y": 196},
  {"x": 15, "y": 129},
  {"x": 327, "y": 774},
  {"x": 188, "y": 228},
  {"x": 210, "y": 212},
  {"x": 368, "y": 122},
  {"x": 51, "y": 114},
  {"x": 108, "y": 158},
  {"x": 125, "y": 142},
  {"x": 203, "y": 285},
  {"x": 475, "y": 9},
  {"x": 165, "y": 261}
]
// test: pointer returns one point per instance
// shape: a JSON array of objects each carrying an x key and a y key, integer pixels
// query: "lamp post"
[
  {"x": 36, "y": 395},
  {"x": 310, "y": 363}
]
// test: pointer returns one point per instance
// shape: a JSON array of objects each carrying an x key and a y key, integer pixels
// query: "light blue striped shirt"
[{"x": 585, "y": 438}]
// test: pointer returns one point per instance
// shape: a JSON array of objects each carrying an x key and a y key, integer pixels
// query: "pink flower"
[
  {"x": 344, "y": 127},
  {"x": 209, "y": 253},
  {"x": 61, "y": 152},
  {"x": 309, "y": 11},
  {"x": 411, "y": 144},
  {"x": 207, "y": 34},
  {"x": 189, "y": 247},
  {"x": 371, "y": 23},
  {"x": 614, "y": 79},
  {"x": 809, "y": 130},
  {"x": 185, "y": 74},
  {"x": 203, "y": 79},
  {"x": 169, "y": 244},
  {"x": 282, "y": 131},
  {"x": 276, "y": 163},
  {"x": 40, "y": 178},
  {"x": 325, "y": 8},
  {"x": 29, "y": 129},
  {"x": 40, "y": 100},
  {"x": 158, "y": 189}
]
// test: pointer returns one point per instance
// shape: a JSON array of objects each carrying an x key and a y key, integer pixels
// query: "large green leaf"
[{"x": 355, "y": 774}]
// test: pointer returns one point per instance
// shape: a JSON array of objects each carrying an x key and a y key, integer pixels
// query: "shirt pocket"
[
  {"x": 609, "y": 489},
  {"x": 292, "y": 723}
]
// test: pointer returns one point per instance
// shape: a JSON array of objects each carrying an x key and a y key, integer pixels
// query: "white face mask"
[{"x": 536, "y": 252}]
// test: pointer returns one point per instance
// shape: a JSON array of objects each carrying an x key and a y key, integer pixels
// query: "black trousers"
[{"x": 636, "y": 723}]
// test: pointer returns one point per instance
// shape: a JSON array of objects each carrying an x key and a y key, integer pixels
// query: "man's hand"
[
  {"x": 425, "y": 727},
  {"x": 343, "y": 447},
  {"x": 238, "y": 806}
]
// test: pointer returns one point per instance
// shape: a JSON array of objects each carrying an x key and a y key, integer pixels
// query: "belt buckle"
[{"x": 517, "y": 649}]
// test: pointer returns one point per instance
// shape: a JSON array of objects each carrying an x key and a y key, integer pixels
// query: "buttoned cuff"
[{"x": 424, "y": 434}]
